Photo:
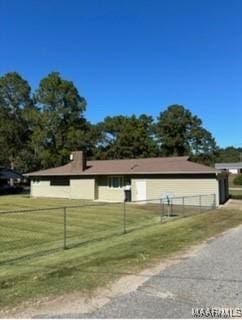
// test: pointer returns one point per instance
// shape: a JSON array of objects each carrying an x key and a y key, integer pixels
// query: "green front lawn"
[
  {"x": 33, "y": 264},
  {"x": 235, "y": 194}
]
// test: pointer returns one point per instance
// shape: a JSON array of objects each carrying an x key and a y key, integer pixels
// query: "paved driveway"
[{"x": 211, "y": 278}]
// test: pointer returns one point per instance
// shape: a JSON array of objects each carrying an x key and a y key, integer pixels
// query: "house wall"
[
  {"x": 179, "y": 186},
  {"x": 78, "y": 189},
  {"x": 44, "y": 189},
  {"x": 82, "y": 188},
  {"x": 234, "y": 171},
  {"x": 103, "y": 192},
  {"x": 156, "y": 187}
]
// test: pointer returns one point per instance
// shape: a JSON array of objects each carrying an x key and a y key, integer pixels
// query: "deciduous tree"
[{"x": 15, "y": 100}]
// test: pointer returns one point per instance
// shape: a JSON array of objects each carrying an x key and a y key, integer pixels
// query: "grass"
[
  {"x": 32, "y": 263},
  {"x": 27, "y": 234},
  {"x": 236, "y": 194}
]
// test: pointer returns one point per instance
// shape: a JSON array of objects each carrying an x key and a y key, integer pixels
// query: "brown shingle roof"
[{"x": 164, "y": 165}]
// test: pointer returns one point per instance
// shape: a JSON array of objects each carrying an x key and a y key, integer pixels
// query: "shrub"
[{"x": 238, "y": 180}]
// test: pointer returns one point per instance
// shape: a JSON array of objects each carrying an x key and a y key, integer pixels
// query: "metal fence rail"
[
  {"x": 188, "y": 205},
  {"x": 34, "y": 232}
]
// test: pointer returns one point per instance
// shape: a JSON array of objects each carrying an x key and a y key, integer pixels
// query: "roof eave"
[{"x": 116, "y": 173}]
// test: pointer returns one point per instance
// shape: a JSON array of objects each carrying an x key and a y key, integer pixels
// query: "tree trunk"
[{"x": 12, "y": 166}]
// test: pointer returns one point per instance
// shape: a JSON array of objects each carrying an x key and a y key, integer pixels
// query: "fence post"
[
  {"x": 65, "y": 246},
  {"x": 161, "y": 210},
  {"x": 124, "y": 217},
  {"x": 214, "y": 200},
  {"x": 183, "y": 206},
  {"x": 200, "y": 203},
  {"x": 168, "y": 207}
]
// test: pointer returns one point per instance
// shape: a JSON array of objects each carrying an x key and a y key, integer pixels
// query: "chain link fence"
[
  {"x": 36, "y": 232},
  {"x": 188, "y": 205}
]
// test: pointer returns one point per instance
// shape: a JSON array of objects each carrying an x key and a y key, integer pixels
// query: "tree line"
[{"x": 39, "y": 129}]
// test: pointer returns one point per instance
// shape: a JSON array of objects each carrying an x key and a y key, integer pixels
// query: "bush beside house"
[{"x": 238, "y": 180}]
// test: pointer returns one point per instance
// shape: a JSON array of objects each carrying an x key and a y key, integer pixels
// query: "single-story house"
[
  {"x": 149, "y": 178},
  {"x": 6, "y": 175},
  {"x": 232, "y": 167},
  {"x": 10, "y": 181}
]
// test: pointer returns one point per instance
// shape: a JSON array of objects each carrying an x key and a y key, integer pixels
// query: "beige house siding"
[
  {"x": 44, "y": 189},
  {"x": 82, "y": 189},
  {"x": 78, "y": 189},
  {"x": 103, "y": 192},
  {"x": 156, "y": 186},
  {"x": 180, "y": 187},
  {"x": 109, "y": 194}
]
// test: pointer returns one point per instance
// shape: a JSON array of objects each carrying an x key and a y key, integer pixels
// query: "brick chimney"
[{"x": 78, "y": 162}]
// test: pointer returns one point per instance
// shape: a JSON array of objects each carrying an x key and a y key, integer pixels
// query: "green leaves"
[
  {"x": 230, "y": 154},
  {"x": 181, "y": 133},
  {"x": 60, "y": 96},
  {"x": 14, "y": 93},
  {"x": 63, "y": 125},
  {"x": 127, "y": 137},
  {"x": 14, "y": 132},
  {"x": 36, "y": 131},
  {"x": 40, "y": 129},
  {"x": 238, "y": 180}
]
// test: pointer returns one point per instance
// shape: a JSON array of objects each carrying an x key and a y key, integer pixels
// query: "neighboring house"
[
  {"x": 8, "y": 175},
  {"x": 232, "y": 167},
  {"x": 150, "y": 178},
  {"x": 10, "y": 181}
]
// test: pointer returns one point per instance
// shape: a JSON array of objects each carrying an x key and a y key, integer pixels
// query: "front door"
[{"x": 140, "y": 190}]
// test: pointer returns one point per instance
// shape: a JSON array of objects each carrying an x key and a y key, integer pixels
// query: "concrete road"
[{"x": 211, "y": 278}]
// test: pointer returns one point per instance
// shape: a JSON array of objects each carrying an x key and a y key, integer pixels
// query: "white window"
[{"x": 115, "y": 182}]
